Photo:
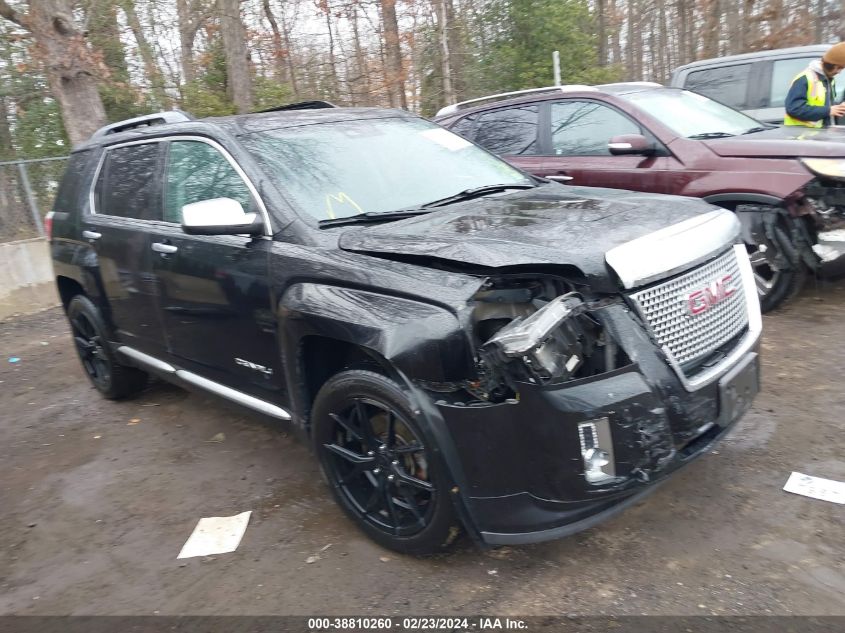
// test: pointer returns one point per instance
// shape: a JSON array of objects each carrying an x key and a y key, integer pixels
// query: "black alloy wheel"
[
  {"x": 89, "y": 346},
  {"x": 110, "y": 378},
  {"x": 378, "y": 463}
]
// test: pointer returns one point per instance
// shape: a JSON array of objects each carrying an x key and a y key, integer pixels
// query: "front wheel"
[
  {"x": 380, "y": 465},
  {"x": 776, "y": 278}
]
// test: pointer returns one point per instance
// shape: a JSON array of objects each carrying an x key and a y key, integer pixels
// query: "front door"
[
  {"x": 576, "y": 147},
  {"x": 126, "y": 208},
  {"x": 215, "y": 297}
]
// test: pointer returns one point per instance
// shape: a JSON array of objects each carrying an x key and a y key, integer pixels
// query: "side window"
[
  {"x": 196, "y": 171},
  {"x": 465, "y": 126},
  {"x": 728, "y": 84},
  {"x": 583, "y": 128},
  {"x": 128, "y": 187},
  {"x": 783, "y": 72},
  {"x": 511, "y": 131},
  {"x": 67, "y": 197}
]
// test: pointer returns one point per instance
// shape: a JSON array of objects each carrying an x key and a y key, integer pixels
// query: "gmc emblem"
[{"x": 702, "y": 300}]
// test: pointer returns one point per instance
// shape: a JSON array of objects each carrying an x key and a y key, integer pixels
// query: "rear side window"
[
  {"x": 465, "y": 127},
  {"x": 510, "y": 131},
  {"x": 70, "y": 190},
  {"x": 783, "y": 72},
  {"x": 128, "y": 185},
  {"x": 728, "y": 84},
  {"x": 584, "y": 128},
  {"x": 197, "y": 171}
]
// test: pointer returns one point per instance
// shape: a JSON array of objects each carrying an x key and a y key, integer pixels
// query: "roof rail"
[
  {"x": 451, "y": 109},
  {"x": 147, "y": 120},
  {"x": 302, "y": 105}
]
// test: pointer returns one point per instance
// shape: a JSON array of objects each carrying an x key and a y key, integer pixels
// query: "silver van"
[{"x": 755, "y": 83}]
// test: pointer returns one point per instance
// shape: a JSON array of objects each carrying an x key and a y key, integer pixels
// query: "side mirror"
[
  {"x": 220, "y": 216},
  {"x": 630, "y": 144}
]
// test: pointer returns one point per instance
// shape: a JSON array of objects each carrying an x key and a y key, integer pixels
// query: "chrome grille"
[{"x": 688, "y": 336}]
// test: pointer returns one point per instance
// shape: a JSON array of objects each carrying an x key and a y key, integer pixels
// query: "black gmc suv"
[{"x": 464, "y": 345}]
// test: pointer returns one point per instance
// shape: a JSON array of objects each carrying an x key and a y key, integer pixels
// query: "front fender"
[{"x": 422, "y": 340}]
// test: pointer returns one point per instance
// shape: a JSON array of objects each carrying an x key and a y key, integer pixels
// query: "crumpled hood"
[
  {"x": 785, "y": 141},
  {"x": 552, "y": 224}
]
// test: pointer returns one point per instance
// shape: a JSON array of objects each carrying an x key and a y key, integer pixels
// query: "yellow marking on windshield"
[{"x": 340, "y": 198}]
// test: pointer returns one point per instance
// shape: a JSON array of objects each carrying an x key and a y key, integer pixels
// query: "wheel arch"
[{"x": 68, "y": 288}]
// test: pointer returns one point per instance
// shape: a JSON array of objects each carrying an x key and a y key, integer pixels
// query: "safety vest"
[{"x": 816, "y": 96}]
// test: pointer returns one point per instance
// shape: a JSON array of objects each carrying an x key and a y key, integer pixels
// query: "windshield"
[
  {"x": 345, "y": 168},
  {"x": 692, "y": 115}
]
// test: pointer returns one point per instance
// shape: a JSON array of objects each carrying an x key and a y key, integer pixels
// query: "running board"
[{"x": 204, "y": 383}]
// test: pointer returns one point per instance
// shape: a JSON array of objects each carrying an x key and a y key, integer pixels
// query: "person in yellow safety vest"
[{"x": 812, "y": 95}]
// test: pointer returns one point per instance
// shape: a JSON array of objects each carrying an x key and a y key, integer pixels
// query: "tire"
[
  {"x": 776, "y": 278},
  {"x": 382, "y": 467},
  {"x": 113, "y": 380}
]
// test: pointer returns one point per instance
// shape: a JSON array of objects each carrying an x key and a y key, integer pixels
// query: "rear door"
[
  {"x": 215, "y": 297},
  {"x": 511, "y": 132},
  {"x": 126, "y": 207},
  {"x": 576, "y": 137}
]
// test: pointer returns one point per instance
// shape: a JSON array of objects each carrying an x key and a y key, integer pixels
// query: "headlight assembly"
[
  {"x": 550, "y": 343},
  {"x": 826, "y": 167}
]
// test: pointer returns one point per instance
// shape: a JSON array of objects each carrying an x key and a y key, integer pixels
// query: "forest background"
[{"x": 69, "y": 66}]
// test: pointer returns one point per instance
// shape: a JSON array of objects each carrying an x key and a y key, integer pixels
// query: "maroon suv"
[{"x": 787, "y": 185}]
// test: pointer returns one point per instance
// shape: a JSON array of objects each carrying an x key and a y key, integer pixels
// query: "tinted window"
[
  {"x": 510, "y": 131},
  {"x": 727, "y": 84},
  {"x": 783, "y": 72},
  {"x": 128, "y": 183},
  {"x": 465, "y": 126},
  {"x": 583, "y": 128},
  {"x": 197, "y": 171},
  {"x": 68, "y": 196}
]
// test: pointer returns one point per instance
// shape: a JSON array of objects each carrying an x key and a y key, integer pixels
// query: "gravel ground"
[{"x": 98, "y": 498}]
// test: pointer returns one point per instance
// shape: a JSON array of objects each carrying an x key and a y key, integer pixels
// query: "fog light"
[{"x": 597, "y": 450}]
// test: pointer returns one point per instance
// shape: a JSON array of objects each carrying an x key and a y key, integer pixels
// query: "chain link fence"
[{"x": 27, "y": 191}]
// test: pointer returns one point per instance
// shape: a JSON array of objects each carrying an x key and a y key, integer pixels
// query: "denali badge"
[
  {"x": 245, "y": 363},
  {"x": 702, "y": 300}
]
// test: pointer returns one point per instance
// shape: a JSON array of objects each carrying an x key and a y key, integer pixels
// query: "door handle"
[
  {"x": 91, "y": 235},
  {"x": 164, "y": 249},
  {"x": 559, "y": 178}
]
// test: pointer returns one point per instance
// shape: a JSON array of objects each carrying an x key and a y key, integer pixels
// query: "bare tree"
[
  {"x": 151, "y": 68},
  {"x": 238, "y": 75},
  {"x": 441, "y": 11},
  {"x": 70, "y": 67},
  {"x": 394, "y": 75}
]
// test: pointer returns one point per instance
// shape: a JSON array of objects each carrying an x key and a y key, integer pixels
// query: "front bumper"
[{"x": 523, "y": 463}]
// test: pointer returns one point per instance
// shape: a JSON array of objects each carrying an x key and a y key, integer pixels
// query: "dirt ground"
[{"x": 97, "y": 499}]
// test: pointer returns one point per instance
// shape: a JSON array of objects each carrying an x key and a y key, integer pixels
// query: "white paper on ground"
[
  {"x": 216, "y": 535},
  {"x": 816, "y": 487}
]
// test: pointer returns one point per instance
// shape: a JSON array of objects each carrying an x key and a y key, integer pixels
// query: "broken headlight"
[
  {"x": 550, "y": 343},
  {"x": 826, "y": 167}
]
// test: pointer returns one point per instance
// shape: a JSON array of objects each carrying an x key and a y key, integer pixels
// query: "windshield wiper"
[
  {"x": 370, "y": 217},
  {"x": 468, "y": 194},
  {"x": 759, "y": 128},
  {"x": 704, "y": 135}
]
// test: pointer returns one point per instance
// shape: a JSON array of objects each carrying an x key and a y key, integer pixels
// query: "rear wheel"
[
  {"x": 380, "y": 465},
  {"x": 110, "y": 378}
]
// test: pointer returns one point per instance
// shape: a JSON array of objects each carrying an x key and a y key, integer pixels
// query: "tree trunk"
[
  {"x": 616, "y": 24},
  {"x": 601, "y": 25},
  {"x": 712, "y": 17},
  {"x": 332, "y": 57},
  {"x": 151, "y": 68},
  {"x": 442, "y": 14},
  {"x": 362, "y": 79},
  {"x": 238, "y": 76},
  {"x": 278, "y": 50},
  {"x": 71, "y": 68},
  {"x": 188, "y": 26},
  {"x": 289, "y": 56},
  {"x": 393, "y": 55}
]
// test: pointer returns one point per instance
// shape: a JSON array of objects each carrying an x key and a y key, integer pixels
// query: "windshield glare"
[
  {"x": 691, "y": 114},
  {"x": 340, "y": 169}
]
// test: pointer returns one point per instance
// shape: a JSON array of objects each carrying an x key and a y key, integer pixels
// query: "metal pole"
[
  {"x": 30, "y": 199},
  {"x": 556, "y": 63}
]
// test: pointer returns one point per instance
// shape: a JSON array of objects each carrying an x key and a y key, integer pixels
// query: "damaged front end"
[
  {"x": 821, "y": 203},
  {"x": 583, "y": 402}
]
